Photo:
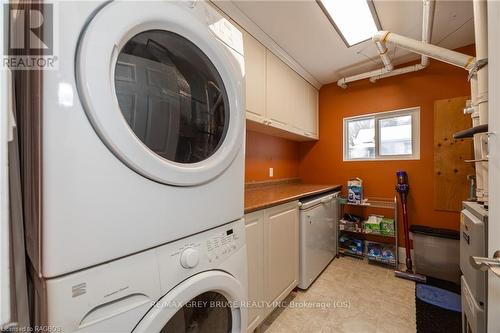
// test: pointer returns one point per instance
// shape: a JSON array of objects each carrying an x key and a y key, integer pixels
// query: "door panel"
[
  {"x": 279, "y": 103},
  {"x": 255, "y": 238},
  {"x": 281, "y": 251},
  {"x": 312, "y": 110},
  {"x": 318, "y": 240},
  {"x": 5, "y": 246},
  {"x": 149, "y": 108},
  {"x": 255, "y": 77}
]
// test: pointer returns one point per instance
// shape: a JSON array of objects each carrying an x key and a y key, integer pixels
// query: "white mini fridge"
[{"x": 318, "y": 235}]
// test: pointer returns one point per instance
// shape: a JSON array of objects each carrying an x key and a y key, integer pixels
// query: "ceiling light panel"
[{"x": 354, "y": 20}]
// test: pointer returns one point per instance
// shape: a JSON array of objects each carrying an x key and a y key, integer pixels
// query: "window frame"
[{"x": 414, "y": 112}]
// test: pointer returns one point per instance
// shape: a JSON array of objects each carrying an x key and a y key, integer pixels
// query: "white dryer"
[
  {"x": 143, "y": 130},
  {"x": 198, "y": 284}
]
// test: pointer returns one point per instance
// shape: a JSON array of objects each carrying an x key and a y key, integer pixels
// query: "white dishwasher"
[{"x": 318, "y": 235}]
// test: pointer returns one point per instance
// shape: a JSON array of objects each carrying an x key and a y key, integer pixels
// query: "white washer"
[
  {"x": 197, "y": 284},
  {"x": 143, "y": 129}
]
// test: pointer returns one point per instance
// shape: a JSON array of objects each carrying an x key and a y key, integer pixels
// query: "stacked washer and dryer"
[{"x": 143, "y": 161}]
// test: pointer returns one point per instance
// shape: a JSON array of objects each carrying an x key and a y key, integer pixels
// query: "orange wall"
[
  {"x": 264, "y": 151},
  {"x": 322, "y": 162}
]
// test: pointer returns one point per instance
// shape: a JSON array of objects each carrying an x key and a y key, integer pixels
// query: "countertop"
[{"x": 263, "y": 195}]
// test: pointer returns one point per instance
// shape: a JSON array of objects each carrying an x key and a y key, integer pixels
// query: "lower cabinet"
[
  {"x": 254, "y": 230},
  {"x": 273, "y": 258}
]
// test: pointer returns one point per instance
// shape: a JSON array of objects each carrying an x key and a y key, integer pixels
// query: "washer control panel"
[
  {"x": 222, "y": 244},
  {"x": 207, "y": 248}
]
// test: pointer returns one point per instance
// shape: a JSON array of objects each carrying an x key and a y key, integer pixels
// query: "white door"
[
  {"x": 493, "y": 318},
  {"x": 254, "y": 231},
  {"x": 281, "y": 251},
  {"x": 5, "y": 281},
  {"x": 207, "y": 302},
  {"x": 138, "y": 82},
  {"x": 161, "y": 91}
]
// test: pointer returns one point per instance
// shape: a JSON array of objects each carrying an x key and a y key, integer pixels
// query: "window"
[
  {"x": 172, "y": 96},
  {"x": 354, "y": 20},
  {"x": 391, "y": 135}
]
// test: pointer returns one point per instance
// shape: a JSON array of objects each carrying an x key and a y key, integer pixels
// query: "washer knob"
[{"x": 189, "y": 258}]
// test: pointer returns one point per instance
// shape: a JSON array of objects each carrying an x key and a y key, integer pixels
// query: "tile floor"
[{"x": 368, "y": 297}]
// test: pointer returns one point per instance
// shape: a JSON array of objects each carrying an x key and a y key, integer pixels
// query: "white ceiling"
[{"x": 303, "y": 31}]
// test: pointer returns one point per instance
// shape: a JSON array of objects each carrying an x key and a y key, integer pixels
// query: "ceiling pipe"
[
  {"x": 427, "y": 21},
  {"x": 386, "y": 60},
  {"x": 464, "y": 61},
  {"x": 388, "y": 69},
  {"x": 377, "y": 72},
  {"x": 479, "y": 95}
]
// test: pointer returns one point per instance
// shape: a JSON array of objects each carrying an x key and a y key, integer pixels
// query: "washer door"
[
  {"x": 205, "y": 303},
  {"x": 161, "y": 91}
]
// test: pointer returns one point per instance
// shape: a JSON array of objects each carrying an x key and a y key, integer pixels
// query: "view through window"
[{"x": 384, "y": 135}]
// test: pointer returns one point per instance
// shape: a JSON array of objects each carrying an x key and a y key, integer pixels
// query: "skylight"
[{"x": 354, "y": 20}]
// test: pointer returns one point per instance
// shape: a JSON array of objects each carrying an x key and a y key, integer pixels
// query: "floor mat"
[{"x": 433, "y": 319}]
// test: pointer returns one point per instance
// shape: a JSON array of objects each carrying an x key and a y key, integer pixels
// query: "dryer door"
[
  {"x": 161, "y": 90},
  {"x": 205, "y": 303}
]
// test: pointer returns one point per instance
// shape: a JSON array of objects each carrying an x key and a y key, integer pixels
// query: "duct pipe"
[
  {"x": 474, "y": 113},
  {"x": 343, "y": 81},
  {"x": 427, "y": 20},
  {"x": 432, "y": 51},
  {"x": 388, "y": 69},
  {"x": 398, "y": 71},
  {"x": 479, "y": 91},
  {"x": 386, "y": 60}
]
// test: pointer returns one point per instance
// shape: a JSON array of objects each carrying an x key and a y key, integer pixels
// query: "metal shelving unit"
[{"x": 380, "y": 203}]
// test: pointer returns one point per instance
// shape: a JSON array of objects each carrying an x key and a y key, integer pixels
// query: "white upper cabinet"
[
  {"x": 278, "y": 100},
  {"x": 311, "y": 121},
  {"x": 255, "y": 78},
  {"x": 280, "y": 86}
]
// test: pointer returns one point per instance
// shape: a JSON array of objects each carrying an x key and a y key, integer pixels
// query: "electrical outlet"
[{"x": 271, "y": 172}]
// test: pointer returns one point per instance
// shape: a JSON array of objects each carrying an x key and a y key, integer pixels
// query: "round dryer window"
[
  {"x": 208, "y": 312},
  {"x": 162, "y": 92},
  {"x": 172, "y": 96},
  {"x": 207, "y": 302}
]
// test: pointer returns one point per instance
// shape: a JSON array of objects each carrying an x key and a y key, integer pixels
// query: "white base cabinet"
[
  {"x": 254, "y": 229},
  {"x": 273, "y": 258}
]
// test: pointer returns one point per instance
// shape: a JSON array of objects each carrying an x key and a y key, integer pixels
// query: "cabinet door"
[
  {"x": 255, "y": 78},
  {"x": 281, "y": 251},
  {"x": 311, "y": 124},
  {"x": 279, "y": 87},
  {"x": 255, "y": 238},
  {"x": 300, "y": 102},
  {"x": 301, "y": 121}
]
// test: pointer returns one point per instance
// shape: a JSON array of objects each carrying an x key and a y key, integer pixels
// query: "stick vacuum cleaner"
[{"x": 403, "y": 188}]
